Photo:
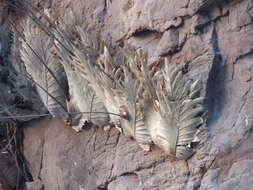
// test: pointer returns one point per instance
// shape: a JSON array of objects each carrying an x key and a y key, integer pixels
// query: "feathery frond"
[
  {"x": 40, "y": 63},
  {"x": 133, "y": 105},
  {"x": 179, "y": 112},
  {"x": 76, "y": 50},
  {"x": 119, "y": 90},
  {"x": 127, "y": 91}
]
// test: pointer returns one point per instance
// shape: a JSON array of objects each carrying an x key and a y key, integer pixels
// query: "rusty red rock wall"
[{"x": 215, "y": 40}]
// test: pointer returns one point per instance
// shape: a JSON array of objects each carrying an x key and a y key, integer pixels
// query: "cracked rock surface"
[{"x": 214, "y": 39}]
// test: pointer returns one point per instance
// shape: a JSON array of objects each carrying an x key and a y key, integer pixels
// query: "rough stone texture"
[
  {"x": 8, "y": 172},
  {"x": 214, "y": 39},
  {"x": 37, "y": 184}
]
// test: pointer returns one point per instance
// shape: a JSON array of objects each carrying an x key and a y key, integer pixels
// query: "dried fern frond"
[
  {"x": 174, "y": 126},
  {"x": 128, "y": 90},
  {"x": 74, "y": 50},
  {"x": 98, "y": 80},
  {"x": 137, "y": 61},
  {"x": 134, "y": 124},
  {"x": 118, "y": 89},
  {"x": 45, "y": 69}
]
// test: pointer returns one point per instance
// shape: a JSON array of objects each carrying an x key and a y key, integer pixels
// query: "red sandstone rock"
[{"x": 214, "y": 39}]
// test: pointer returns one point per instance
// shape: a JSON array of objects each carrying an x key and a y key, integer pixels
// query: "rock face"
[{"x": 214, "y": 40}]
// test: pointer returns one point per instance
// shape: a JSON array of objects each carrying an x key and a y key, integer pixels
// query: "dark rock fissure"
[
  {"x": 6, "y": 40},
  {"x": 22, "y": 163},
  {"x": 216, "y": 84},
  {"x": 208, "y": 5},
  {"x": 143, "y": 32},
  {"x": 201, "y": 26},
  {"x": 102, "y": 188},
  {"x": 41, "y": 159}
]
